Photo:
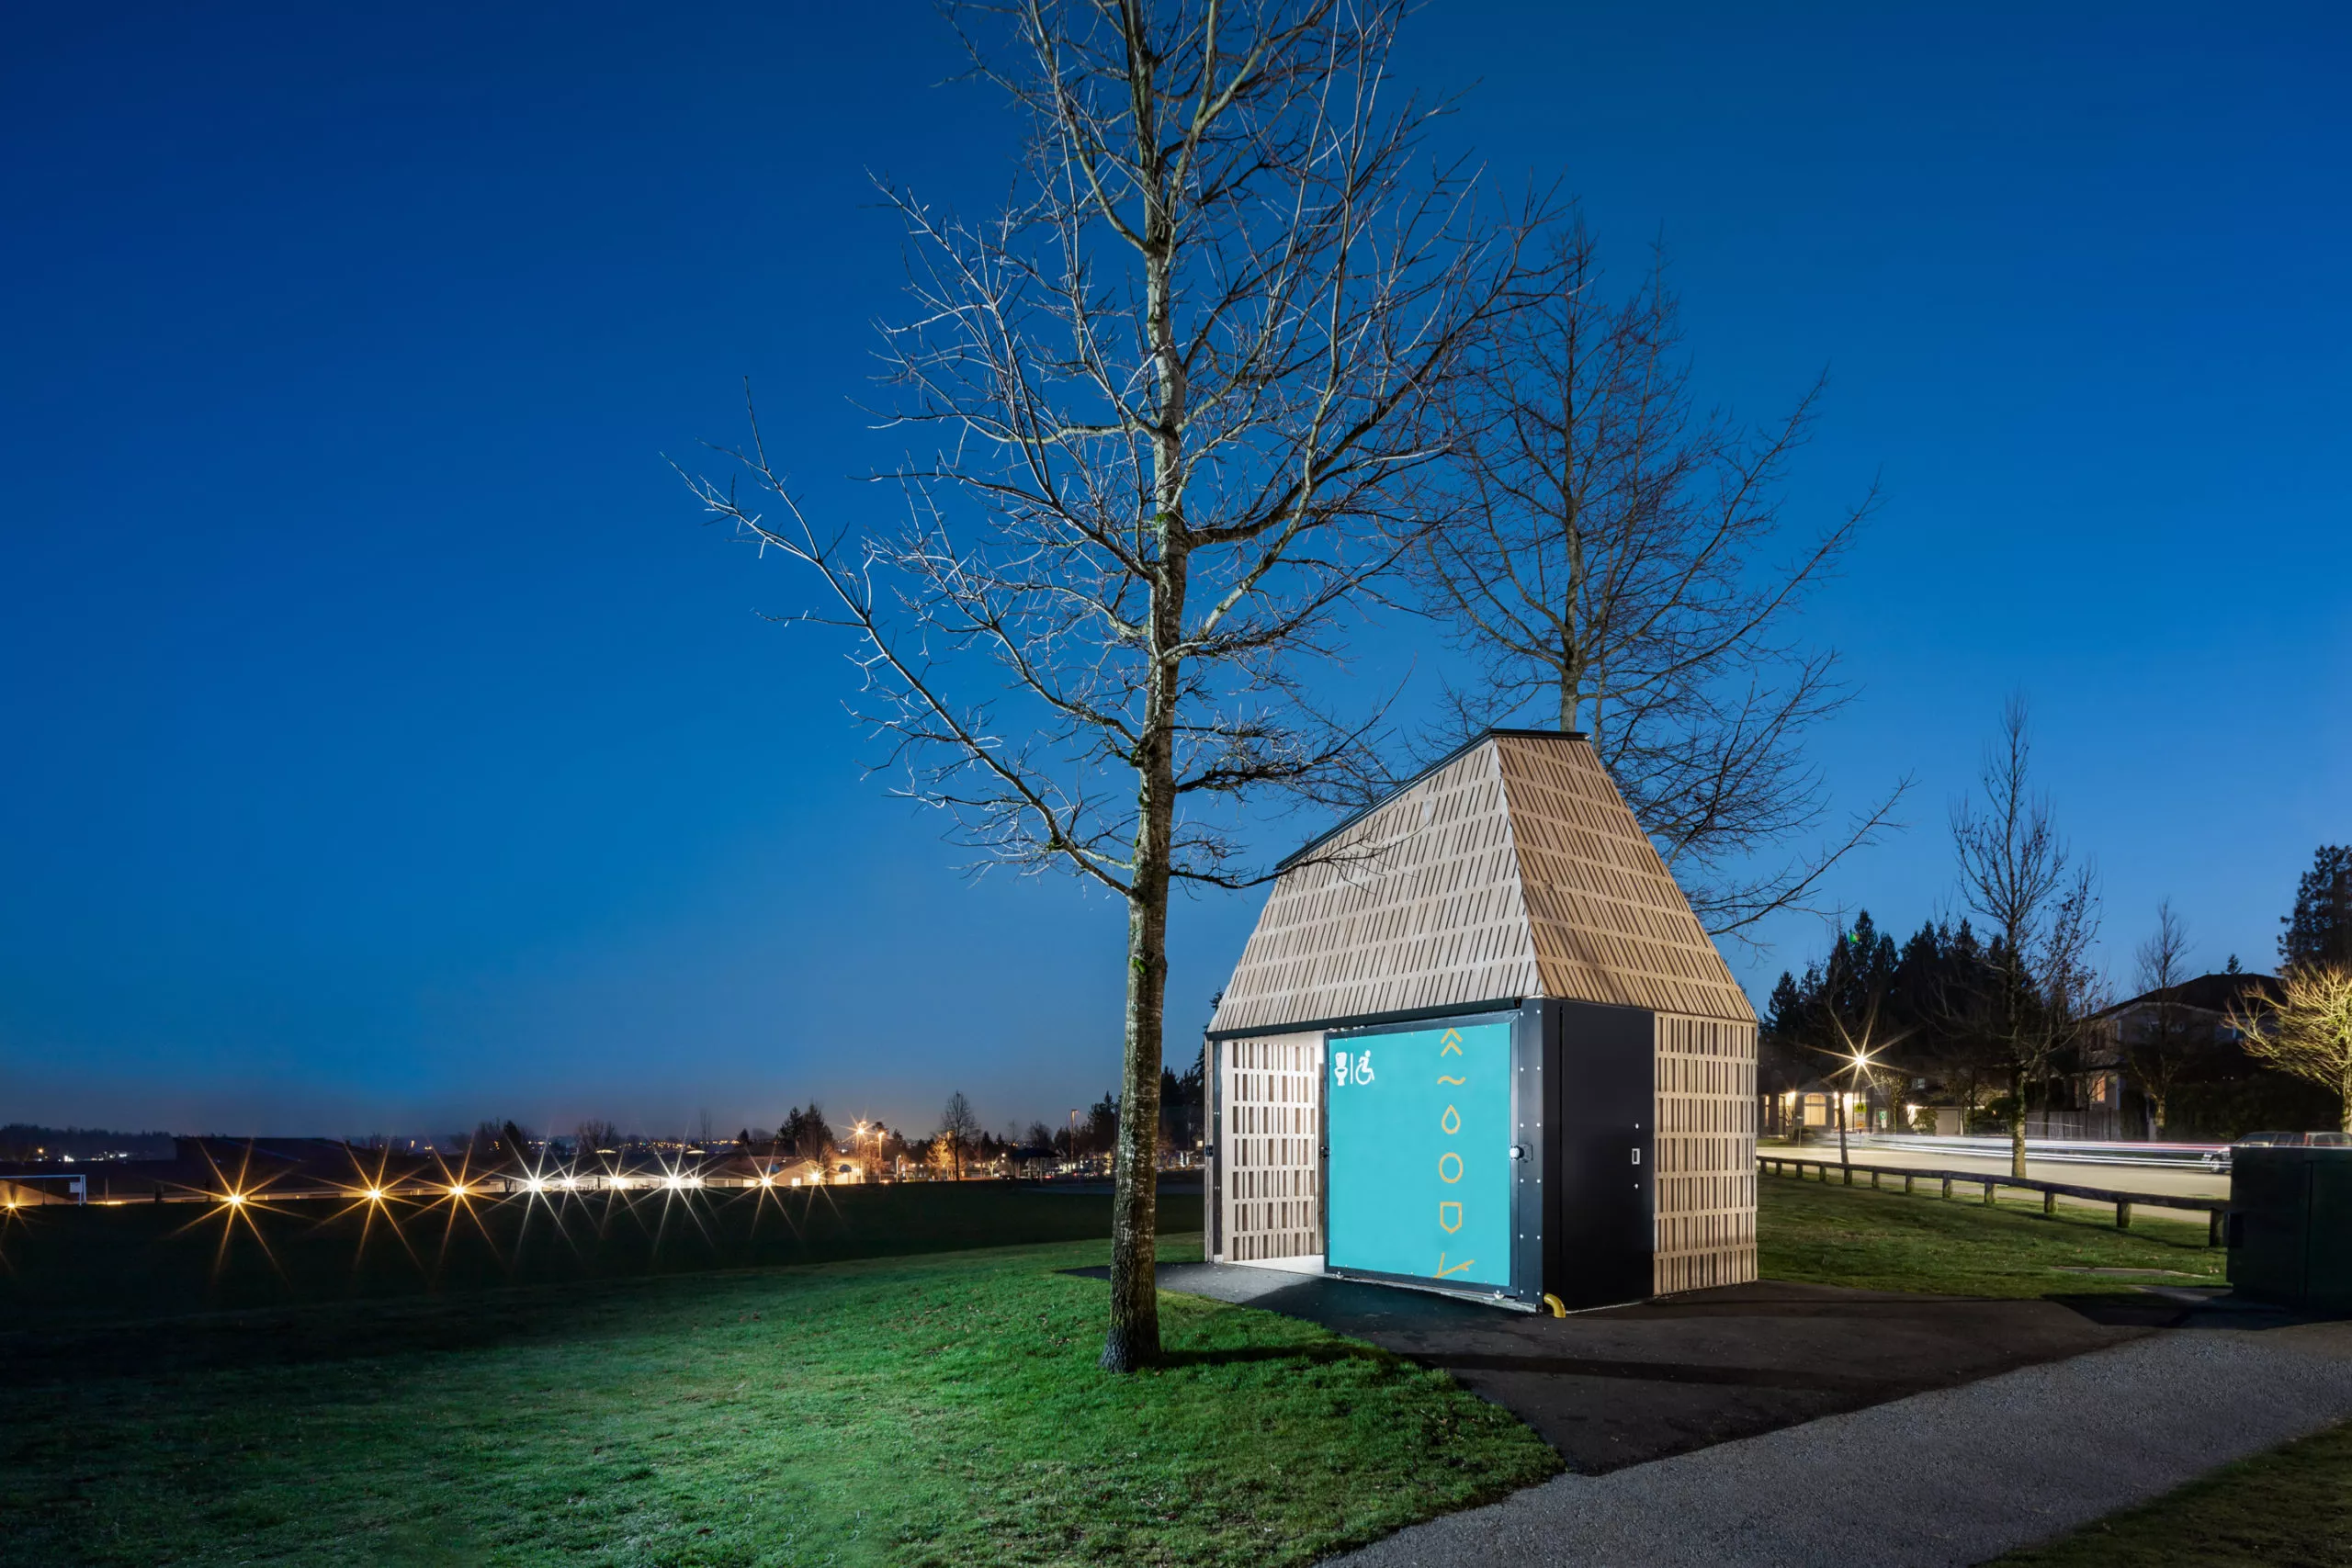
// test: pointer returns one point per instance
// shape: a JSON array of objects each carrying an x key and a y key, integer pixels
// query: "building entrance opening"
[{"x": 1270, "y": 1203}]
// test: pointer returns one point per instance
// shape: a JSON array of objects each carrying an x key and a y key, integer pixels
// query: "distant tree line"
[
  {"x": 29, "y": 1141},
  {"x": 1955, "y": 1017}
]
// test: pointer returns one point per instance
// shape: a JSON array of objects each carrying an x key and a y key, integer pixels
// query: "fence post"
[
  {"x": 1988, "y": 1194},
  {"x": 2049, "y": 1203},
  {"x": 1947, "y": 1186},
  {"x": 2124, "y": 1214},
  {"x": 1848, "y": 1172},
  {"x": 2213, "y": 1227},
  {"x": 1873, "y": 1180},
  {"x": 1908, "y": 1179}
]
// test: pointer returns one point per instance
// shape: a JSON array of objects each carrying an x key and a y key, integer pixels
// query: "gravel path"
[{"x": 1946, "y": 1478}]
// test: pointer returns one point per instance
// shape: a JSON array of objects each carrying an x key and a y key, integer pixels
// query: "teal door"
[{"x": 1421, "y": 1167}]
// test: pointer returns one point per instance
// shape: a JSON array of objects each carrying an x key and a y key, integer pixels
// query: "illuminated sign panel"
[{"x": 1420, "y": 1171}]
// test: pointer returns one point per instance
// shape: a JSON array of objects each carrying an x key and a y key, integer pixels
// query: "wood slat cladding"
[
  {"x": 1270, "y": 1149},
  {"x": 1414, "y": 905},
  {"x": 1513, "y": 870},
  {"x": 1511, "y": 875},
  {"x": 1608, "y": 921},
  {"x": 1705, "y": 1153}
]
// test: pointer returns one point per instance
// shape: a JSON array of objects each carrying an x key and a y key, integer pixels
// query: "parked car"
[{"x": 2300, "y": 1139}]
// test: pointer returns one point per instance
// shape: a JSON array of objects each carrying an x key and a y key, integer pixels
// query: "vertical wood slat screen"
[
  {"x": 1706, "y": 1177},
  {"x": 1270, "y": 1149}
]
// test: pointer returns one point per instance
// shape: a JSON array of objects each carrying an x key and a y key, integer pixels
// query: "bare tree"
[
  {"x": 1176, "y": 386},
  {"x": 959, "y": 1128},
  {"x": 1607, "y": 560},
  {"x": 2163, "y": 1051},
  {"x": 2308, "y": 1030},
  {"x": 592, "y": 1136},
  {"x": 2019, "y": 873}
]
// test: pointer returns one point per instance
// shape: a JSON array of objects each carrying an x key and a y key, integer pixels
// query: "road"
[{"x": 2172, "y": 1182}]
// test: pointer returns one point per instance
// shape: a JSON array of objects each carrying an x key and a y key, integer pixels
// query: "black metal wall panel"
[
  {"x": 2270, "y": 1223},
  {"x": 1528, "y": 1110},
  {"x": 2290, "y": 1226},
  {"x": 1599, "y": 1229}
]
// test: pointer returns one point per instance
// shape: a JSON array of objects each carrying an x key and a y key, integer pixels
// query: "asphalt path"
[
  {"x": 1626, "y": 1385},
  {"x": 1953, "y": 1477}
]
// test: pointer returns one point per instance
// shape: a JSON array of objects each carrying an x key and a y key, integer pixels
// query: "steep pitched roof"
[{"x": 1510, "y": 869}]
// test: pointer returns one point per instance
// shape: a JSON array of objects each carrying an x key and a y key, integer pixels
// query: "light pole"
[{"x": 1855, "y": 1068}]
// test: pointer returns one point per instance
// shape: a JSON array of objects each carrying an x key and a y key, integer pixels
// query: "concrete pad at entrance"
[
  {"x": 1633, "y": 1384},
  {"x": 1953, "y": 1476}
]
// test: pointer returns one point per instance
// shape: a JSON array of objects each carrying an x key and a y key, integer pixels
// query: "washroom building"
[{"x": 1478, "y": 1043}]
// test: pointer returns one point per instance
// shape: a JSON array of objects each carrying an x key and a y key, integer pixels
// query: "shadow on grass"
[
  {"x": 320, "y": 1333},
  {"x": 1245, "y": 1355},
  {"x": 57, "y": 1347},
  {"x": 79, "y": 1266}
]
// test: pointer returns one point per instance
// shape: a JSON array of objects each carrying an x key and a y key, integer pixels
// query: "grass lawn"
[
  {"x": 941, "y": 1409},
  {"x": 2287, "y": 1508},
  {"x": 1828, "y": 1234},
  {"x": 143, "y": 1261},
  {"x": 934, "y": 1410}
]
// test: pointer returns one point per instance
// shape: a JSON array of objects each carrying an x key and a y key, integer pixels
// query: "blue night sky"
[{"x": 387, "y": 745}]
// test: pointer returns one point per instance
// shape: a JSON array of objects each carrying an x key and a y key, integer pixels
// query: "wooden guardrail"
[{"x": 2213, "y": 1208}]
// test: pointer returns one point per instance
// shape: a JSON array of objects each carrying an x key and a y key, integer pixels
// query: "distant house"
[
  {"x": 2219, "y": 1086},
  {"x": 1033, "y": 1162}
]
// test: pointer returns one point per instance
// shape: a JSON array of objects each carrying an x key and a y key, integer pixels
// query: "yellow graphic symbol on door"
[{"x": 1449, "y": 1212}]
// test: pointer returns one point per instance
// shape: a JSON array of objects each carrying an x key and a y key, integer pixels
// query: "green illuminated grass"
[
  {"x": 937, "y": 1411},
  {"x": 943, "y": 1410},
  {"x": 1825, "y": 1233},
  {"x": 2289, "y": 1508}
]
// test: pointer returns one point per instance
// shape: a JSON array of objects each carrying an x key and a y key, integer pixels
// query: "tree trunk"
[
  {"x": 2017, "y": 1122},
  {"x": 2343, "y": 1089},
  {"x": 1133, "y": 1339}
]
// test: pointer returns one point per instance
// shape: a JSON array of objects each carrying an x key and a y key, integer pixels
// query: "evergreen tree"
[
  {"x": 806, "y": 1134},
  {"x": 2319, "y": 931}
]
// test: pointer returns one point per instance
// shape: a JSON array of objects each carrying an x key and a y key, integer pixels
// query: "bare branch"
[{"x": 1606, "y": 558}]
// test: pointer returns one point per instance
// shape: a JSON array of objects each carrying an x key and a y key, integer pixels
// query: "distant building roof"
[
  {"x": 2216, "y": 993},
  {"x": 1510, "y": 869}
]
